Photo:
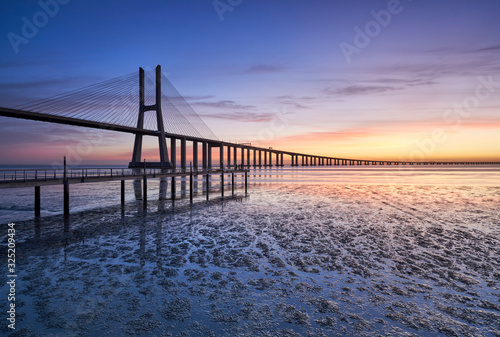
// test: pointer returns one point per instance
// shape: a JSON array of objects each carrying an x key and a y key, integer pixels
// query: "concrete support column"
[
  {"x": 242, "y": 157},
  {"x": 281, "y": 156},
  {"x": 228, "y": 156},
  {"x": 254, "y": 158},
  {"x": 221, "y": 156},
  {"x": 235, "y": 151},
  {"x": 248, "y": 158},
  {"x": 260, "y": 158},
  {"x": 204, "y": 150},
  {"x": 195, "y": 155},
  {"x": 183, "y": 154},
  {"x": 209, "y": 156},
  {"x": 303, "y": 164},
  {"x": 173, "y": 152},
  {"x": 265, "y": 158}
]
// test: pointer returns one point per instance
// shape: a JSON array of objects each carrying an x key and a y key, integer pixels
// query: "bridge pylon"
[{"x": 162, "y": 142}]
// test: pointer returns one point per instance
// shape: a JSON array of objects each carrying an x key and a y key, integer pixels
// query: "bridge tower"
[{"x": 162, "y": 142}]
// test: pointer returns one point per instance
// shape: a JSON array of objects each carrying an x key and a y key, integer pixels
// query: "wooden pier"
[{"x": 44, "y": 177}]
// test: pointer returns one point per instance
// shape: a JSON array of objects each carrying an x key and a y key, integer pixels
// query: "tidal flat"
[{"x": 289, "y": 260}]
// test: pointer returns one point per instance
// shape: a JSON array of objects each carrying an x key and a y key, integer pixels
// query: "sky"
[{"x": 393, "y": 80}]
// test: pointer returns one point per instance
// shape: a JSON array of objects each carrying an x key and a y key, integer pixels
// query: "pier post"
[
  {"x": 145, "y": 190},
  {"x": 191, "y": 185},
  {"x": 222, "y": 183},
  {"x": 122, "y": 194},
  {"x": 207, "y": 181},
  {"x": 173, "y": 189},
  {"x": 246, "y": 182},
  {"x": 66, "y": 191},
  {"x": 232, "y": 184},
  {"x": 66, "y": 198},
  {"x": 37, "y": 201}
]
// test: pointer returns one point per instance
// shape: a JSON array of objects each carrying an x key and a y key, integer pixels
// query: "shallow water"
[{"x": 308, "y": 259}]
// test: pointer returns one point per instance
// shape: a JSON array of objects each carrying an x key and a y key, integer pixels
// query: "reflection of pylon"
[{"x": 136, "y": 156}]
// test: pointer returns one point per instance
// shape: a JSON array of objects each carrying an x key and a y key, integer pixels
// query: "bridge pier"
[
  {"x": 173, "y": 152},
  {"x": 242, "y": 157},
  {"x": 183, "y": 154},
  {"x": 195, "y": 155},
  {"x": 204, "y": 159},
  {"x": 221, "y": 156},
  {"x": 235, "y": 151},
  {"x": 248, "y": 158},
  {"x": 228, "y": 155},
  {"x": 209, "y": 156},
  {"x": 260, "y": 158}
]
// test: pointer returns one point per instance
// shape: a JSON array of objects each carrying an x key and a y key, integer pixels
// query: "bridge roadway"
[{"x": 260, "y": 156}]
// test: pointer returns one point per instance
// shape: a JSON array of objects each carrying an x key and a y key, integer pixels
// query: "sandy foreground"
[{"x": 303, "y": 260}]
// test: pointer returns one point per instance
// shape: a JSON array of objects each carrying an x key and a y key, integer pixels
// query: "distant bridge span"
[
  {"x": 261, "y": 156},
  {"x": 77, "y": 108}
]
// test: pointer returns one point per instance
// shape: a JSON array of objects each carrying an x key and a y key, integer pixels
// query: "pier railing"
[{"x": 29, "y": 175}]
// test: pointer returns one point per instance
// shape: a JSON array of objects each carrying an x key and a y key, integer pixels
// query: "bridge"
[
  {"x": 159, "y": 112},
  {"x": 113, "y": 105}
]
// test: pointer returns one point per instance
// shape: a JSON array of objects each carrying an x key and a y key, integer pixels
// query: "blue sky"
[{"x": 267, "y": 58}]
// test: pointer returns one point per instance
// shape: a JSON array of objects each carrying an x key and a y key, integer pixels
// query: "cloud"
[
  {"x": 242, "y": 116},
  {"x": 404, "y": 81},
  {"x": 265, "y": 68},
  {"x": 491, "y": 48},
  {"x": 353, "y": 90},
  {"x": 224, "y": 105},
  {"x": 197, "y": 98},
  {"x": 295, "y": 104}
]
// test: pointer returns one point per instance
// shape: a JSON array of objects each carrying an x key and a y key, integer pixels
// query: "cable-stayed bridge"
[{"x": 162, "y": 112}]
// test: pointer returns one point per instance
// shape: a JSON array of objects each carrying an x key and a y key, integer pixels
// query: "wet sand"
[{"x": 303, "y": 260}]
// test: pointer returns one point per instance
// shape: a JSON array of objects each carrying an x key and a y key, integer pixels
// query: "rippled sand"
[{"x": 321, "y": 260}]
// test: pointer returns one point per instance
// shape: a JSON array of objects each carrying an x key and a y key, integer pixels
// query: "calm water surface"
[{"x": 310, "y": 252}]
